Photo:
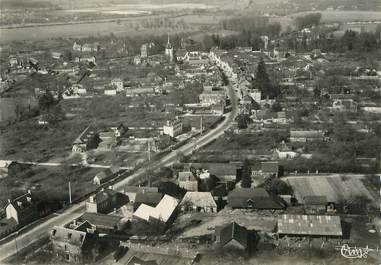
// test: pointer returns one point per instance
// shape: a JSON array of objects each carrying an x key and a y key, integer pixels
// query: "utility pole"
[
  {"x": 149, "y": 151},
  {"x": 69, "y": 192},
  {"x": 17, "y": 250},
  {"x": 201, "y": 125}
]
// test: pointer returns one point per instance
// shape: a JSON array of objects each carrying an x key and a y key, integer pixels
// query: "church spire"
[{"x": 169, "y": 45}]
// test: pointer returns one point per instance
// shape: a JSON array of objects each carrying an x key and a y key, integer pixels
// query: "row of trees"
[
  {"x": 252, "y": 26},
  {"x": 308, "y": 21}
]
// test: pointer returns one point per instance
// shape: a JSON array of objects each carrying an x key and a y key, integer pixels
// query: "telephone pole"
[
  {"x": 69, "y": 192},
  {"x": 201, "y": 126},
  {"x": 149, "y": 151}
]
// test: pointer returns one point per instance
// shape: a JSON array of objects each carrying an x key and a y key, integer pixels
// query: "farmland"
[
  {"x": 336, "y": 188},
  {"x": 344, "y": 16},
  {"x": 331, "y": 16}
]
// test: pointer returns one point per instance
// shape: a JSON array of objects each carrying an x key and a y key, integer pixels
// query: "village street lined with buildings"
[
  {"x": 224, "y": 137},
  {"x": 74, "y": 211}
]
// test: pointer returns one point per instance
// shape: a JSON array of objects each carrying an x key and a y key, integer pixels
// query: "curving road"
[{"x": 23, "y": 240}]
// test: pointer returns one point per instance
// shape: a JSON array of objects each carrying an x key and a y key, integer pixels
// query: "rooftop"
[
  {"x": 100, "y": 219},
  {"x": 199, "y": 199},
  {"x": 67, "y": 235},
  {"x": 257, "y": 198},
  {"x": 318, "y": 225},
  {"x": 232, "y": 231},
  {"x": 163, "y": 211}
]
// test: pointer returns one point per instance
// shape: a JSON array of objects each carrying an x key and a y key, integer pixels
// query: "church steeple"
[
  {"x": 169, "y": 50},
  {"x": 169, "y": 45}
]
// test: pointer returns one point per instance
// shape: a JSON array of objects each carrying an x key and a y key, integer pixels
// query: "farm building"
[
  {"x": 309, "y": 226},
  {"x": 198, "y": 202},
  {"x": 232, "y": 236},
  {"x": 258, "y": 198}
]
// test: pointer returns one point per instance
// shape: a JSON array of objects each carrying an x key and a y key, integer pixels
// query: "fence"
[{"x": 181, "y": 252}]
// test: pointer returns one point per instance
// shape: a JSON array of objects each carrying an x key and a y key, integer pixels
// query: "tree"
[
  {"x": 46, "y": 101},
  {"x": 262, "y": 82},
  {"x": 68, "y": 55},
  {"x": 277, "y": 186},
  {"x": 308, "y": 20},
  {"x": 246, "y": 175},
  {"x": 242, "y": 121},
  {"x": 276, "y": 107}
]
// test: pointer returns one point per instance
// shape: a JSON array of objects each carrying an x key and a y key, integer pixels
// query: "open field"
[
  {"x": 331, "y": 16},
  {"x": 123, "y": 28},
  {"x": 344, "y": 16},
  {"x": 336, "y": 188},
  {"x": 50, "y": 183}
]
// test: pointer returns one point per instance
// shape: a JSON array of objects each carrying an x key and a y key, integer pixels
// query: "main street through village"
[{"x": 39, "y": 232}]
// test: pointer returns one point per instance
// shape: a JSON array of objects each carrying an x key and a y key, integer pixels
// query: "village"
[{"x": 177, "y": 154}]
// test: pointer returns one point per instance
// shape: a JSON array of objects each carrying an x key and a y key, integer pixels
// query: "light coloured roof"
[
  {"x": 163, "y": 211},
  {"x": 5, "y": 163},
  {"x": 199, "y": 199},
  {"x": 186, "y": 176},
  {"x": 322, "y": 225}
]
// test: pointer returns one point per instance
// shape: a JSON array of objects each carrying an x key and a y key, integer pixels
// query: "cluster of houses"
[
  {"x": 19, "y": 212},
  {"x": 204, "y": 190}
]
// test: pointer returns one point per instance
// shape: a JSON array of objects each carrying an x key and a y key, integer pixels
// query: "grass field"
[
  {"x": 336, "y": 188},
  {"x": 331, "y": 16},
  {"x": 344, "y": 16}
]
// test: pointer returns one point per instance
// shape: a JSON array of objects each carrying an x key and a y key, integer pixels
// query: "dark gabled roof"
[
  {"x": 220, "y": 191},
  {"x": 257, "y": 198},
  {"x": 69, "y": 236},
  {"x": 104, "y": 195},
  {"x": 136, "y": 261},
  {"x": 230, "y": 232},
  {"x": 315, "y": 200},
  {"x": 97, "y": 219},
  {"x": 149, "y": 198},
  {"x": 23, "y": 203}
]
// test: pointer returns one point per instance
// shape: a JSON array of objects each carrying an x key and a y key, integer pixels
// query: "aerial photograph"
[{"x": 190, "y": 132}]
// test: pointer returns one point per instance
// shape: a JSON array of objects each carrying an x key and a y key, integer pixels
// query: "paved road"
[
  {"x": 25, "y": 239},
  {"x": 59, "y": 164}
]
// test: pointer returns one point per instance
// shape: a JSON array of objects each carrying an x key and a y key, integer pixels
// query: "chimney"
[
  {"x": 29, "y": 191},
  {"x": 19, "y": 203},
  {"x": 91, "y": 199},
  {"x": 29, "y": 199}
]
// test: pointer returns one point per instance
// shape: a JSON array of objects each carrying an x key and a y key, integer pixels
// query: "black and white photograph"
[{"x": 190, "y": 132}]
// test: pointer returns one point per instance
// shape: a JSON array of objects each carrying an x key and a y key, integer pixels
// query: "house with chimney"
[
  {"x": 77, "y": 245},
  {"x": 87, "y": 140},
  {"x": 105, "y": 201},
  {"x": 173, "y": 128},
  {"x": 188, "y": 181},
  {"x": 22, "y": 209}
]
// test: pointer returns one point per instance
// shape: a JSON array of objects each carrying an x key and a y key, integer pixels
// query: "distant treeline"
[
  {"x": 372, "y": 5},
  {"x": 252, "y": 26},
  {"x": 308, "y": 20},
  {"x": 23, "y": 4}
]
